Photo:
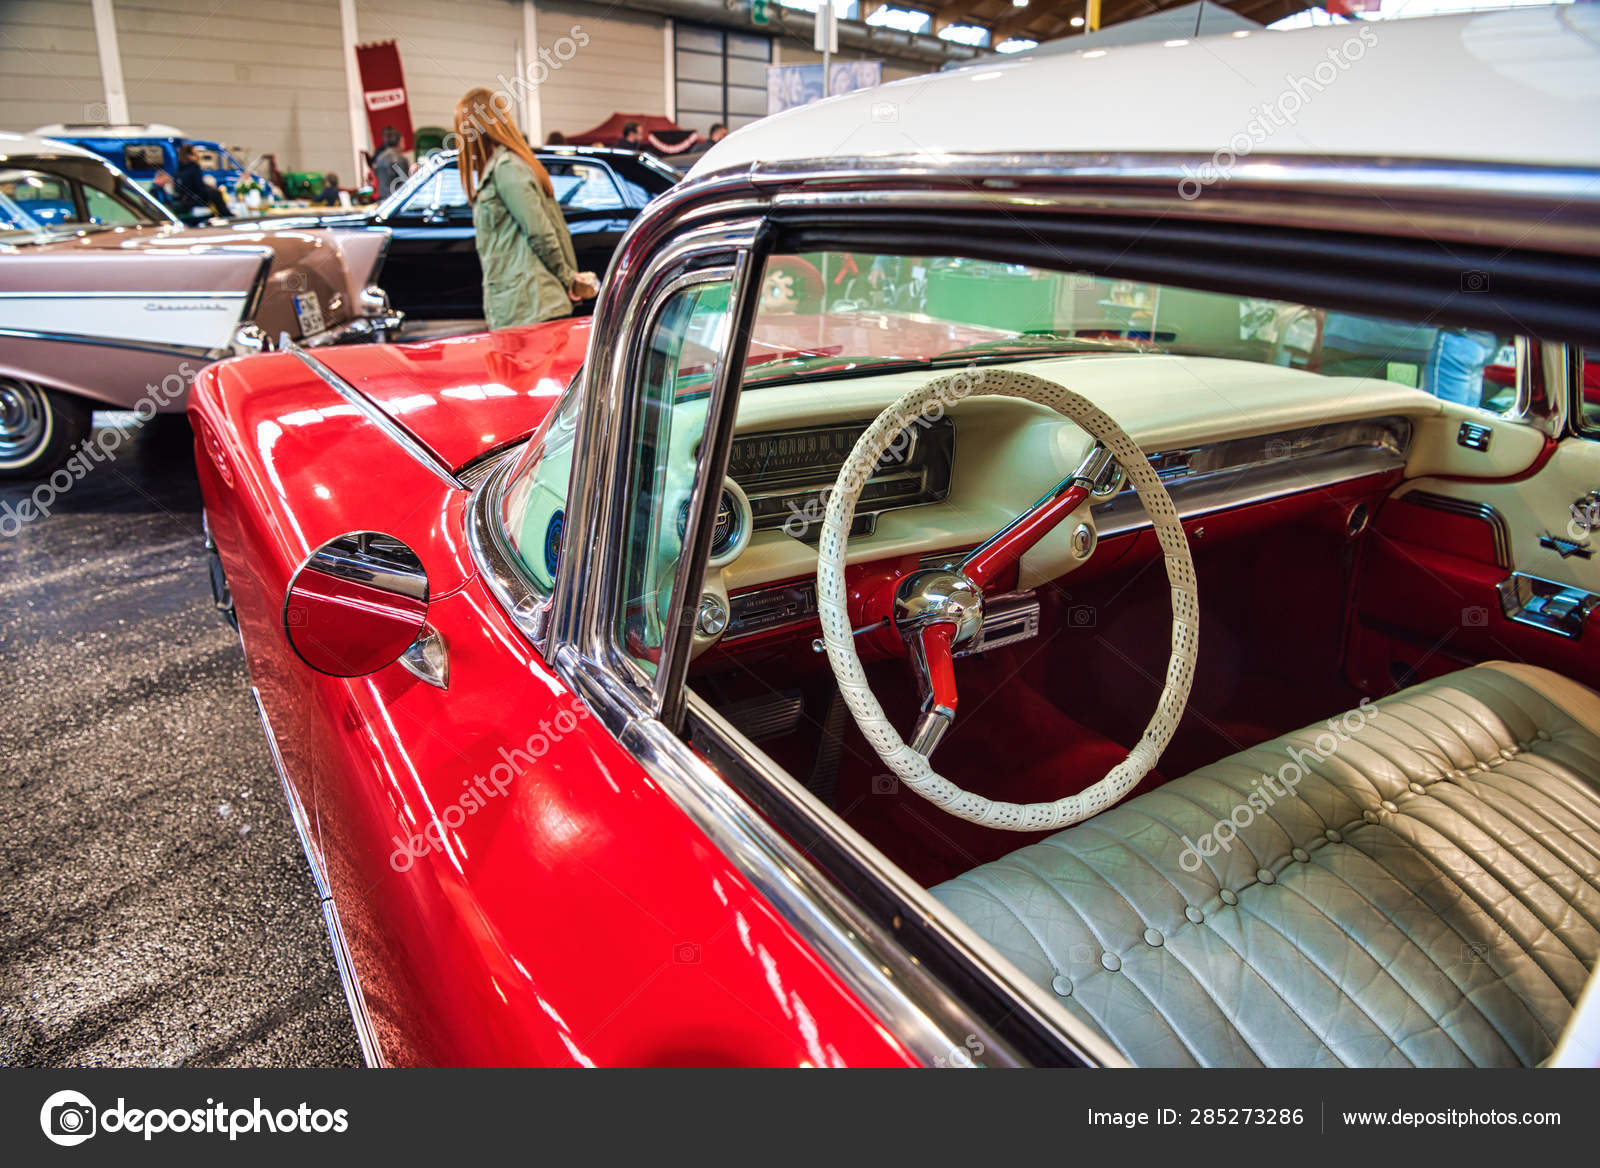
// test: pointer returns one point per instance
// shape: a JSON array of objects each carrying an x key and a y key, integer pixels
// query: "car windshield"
[
  {"x": 42, "y": 199},
  {"x": 829, "y": 322}
]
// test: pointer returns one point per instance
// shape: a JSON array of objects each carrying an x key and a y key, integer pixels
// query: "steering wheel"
[{"x": 938, "y": 610}]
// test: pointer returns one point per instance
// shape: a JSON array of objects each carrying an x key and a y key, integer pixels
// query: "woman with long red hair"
[{"x": 529, "y": 270}]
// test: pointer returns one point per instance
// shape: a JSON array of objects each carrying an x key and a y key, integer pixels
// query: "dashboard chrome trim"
[{"x": 1204, "y": 491}]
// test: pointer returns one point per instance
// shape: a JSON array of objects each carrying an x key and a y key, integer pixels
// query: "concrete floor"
[{"x": 155, "y": 908}]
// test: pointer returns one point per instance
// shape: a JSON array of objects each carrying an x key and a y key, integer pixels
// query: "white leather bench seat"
[{"x": 1428, "y": 894}]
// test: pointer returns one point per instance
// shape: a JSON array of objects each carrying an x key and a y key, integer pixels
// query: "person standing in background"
[
  {"x": 391, "y": 167},
  {"x": 529, "y": 270},
  {"x": 632, "y": 137},
  {"x": 329, "y": 195},
  {"x": 190, "y": 189},
  {"x": 717, "y": 134}
]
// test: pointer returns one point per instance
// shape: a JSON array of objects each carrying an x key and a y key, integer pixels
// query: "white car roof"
[
  {"x": 102, "y": 130},
  {"x": 1516, "y": 86},
  {"x": 12, "y": 145}
]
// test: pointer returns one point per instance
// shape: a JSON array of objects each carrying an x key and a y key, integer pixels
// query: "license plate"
[{"x": 309, "y": 309}]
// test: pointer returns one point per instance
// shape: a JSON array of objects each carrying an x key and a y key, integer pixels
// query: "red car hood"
[{"x": 465, "y": 396}]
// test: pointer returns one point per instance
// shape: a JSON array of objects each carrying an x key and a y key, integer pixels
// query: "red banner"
[
  {"x": 1351, "y": 7},
  {"x": 383, "y": 92}
]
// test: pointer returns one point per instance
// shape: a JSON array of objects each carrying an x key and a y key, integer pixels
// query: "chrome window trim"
[
  {"x": 528, "y": 608},
  {"x": 607, "y": 426},
  {"x": 1506, "y": 205}
]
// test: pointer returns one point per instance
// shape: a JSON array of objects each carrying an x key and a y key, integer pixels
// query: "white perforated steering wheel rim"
[{"x": 929, "y": 402}]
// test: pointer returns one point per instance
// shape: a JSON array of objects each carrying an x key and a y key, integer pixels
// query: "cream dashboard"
[{"x": 1220, "y": 432}]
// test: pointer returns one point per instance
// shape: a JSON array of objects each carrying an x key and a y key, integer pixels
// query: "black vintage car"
[{"x": 432, "y": 273}]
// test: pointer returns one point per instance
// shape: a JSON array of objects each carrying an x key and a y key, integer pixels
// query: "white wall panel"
[
  {"x": 260, "y": 75},
  {"x": 620, "y": 69},
  {"x": 49, "y": 67}
]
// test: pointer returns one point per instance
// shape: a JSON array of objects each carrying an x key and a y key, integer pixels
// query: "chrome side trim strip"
[
  {"x": 1499, "y": 529},
  {"x": 194, "y": 351},
  {"x": 123, "y": 295},
  {"x": 400, "y": 436},
  {"x": 366, "y": 1033}
]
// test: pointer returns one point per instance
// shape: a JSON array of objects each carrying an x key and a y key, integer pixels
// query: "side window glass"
[
  {"x": 421, "y": 200},
  {"x": 449, "y": 196},
  {"x": 690, "y": 339},
  {"x": 1468, "y": 366},
  {"x": 105, "y": 210},
  {"x": 584, "y": 186},
  {"x": 43, "y": 199}
]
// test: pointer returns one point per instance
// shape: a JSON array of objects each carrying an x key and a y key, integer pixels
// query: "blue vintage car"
[{"x": 139, "y": 151}]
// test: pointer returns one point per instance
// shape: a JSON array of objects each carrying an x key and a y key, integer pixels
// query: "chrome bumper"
[{"x": 377, "y": 323}]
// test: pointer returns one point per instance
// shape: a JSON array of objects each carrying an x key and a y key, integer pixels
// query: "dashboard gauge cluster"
[{"x": 787, "y": 474}]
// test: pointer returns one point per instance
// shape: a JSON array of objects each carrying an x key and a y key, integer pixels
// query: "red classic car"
[{"x": 607, "y": 667}]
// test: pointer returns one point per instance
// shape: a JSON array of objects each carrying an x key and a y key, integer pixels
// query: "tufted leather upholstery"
[{"x": 1428, "y": 894}]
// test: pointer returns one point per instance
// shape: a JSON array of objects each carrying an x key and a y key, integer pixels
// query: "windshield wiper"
[
  {"x": 822, "y": 368},
  {"x": 1041, "y": 342}
]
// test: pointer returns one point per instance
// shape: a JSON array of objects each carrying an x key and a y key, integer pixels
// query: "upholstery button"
[
  {"x": 1370, "y": 815},
  {"x": 1229, "y": 896},
  {"x": 1333, "y": 836},
  {"x": 1194, "y": 914},
  {"x": 1418, "y": 789},
  {"x": 1062, "y": 985},
  {"x": 1301, "y": 854},
  {"x": 1508, "y": 753},
  {"x": 1389, "y": 807},
  {"x": 1265, "y": 876},
  {"x": 1543, "y": 736},
  {"x": 1153, "y": 938},
  {"x": 1111, "y": 961}
]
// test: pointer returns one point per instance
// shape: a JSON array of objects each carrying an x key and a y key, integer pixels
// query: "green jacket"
[{"x": 523, "y": 244}]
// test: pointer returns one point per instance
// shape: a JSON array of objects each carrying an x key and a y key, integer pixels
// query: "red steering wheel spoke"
[
  {"x": 1003, "y": 549},
  {"x": 933, "y": 660}
]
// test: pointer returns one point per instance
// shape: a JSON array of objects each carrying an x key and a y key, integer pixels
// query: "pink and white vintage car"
[{"x": 107, "y": 301}]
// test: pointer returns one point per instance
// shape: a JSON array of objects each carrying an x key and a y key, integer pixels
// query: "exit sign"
[{"x": 761, "y": 11}]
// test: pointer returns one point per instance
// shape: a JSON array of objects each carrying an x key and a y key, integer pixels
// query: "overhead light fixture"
[
  {"x": 1076, "y": 22},
  {"x": 1019, "y": 3}
]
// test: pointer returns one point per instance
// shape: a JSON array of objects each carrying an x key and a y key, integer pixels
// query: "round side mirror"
[{"x": 356, "y": 604}]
